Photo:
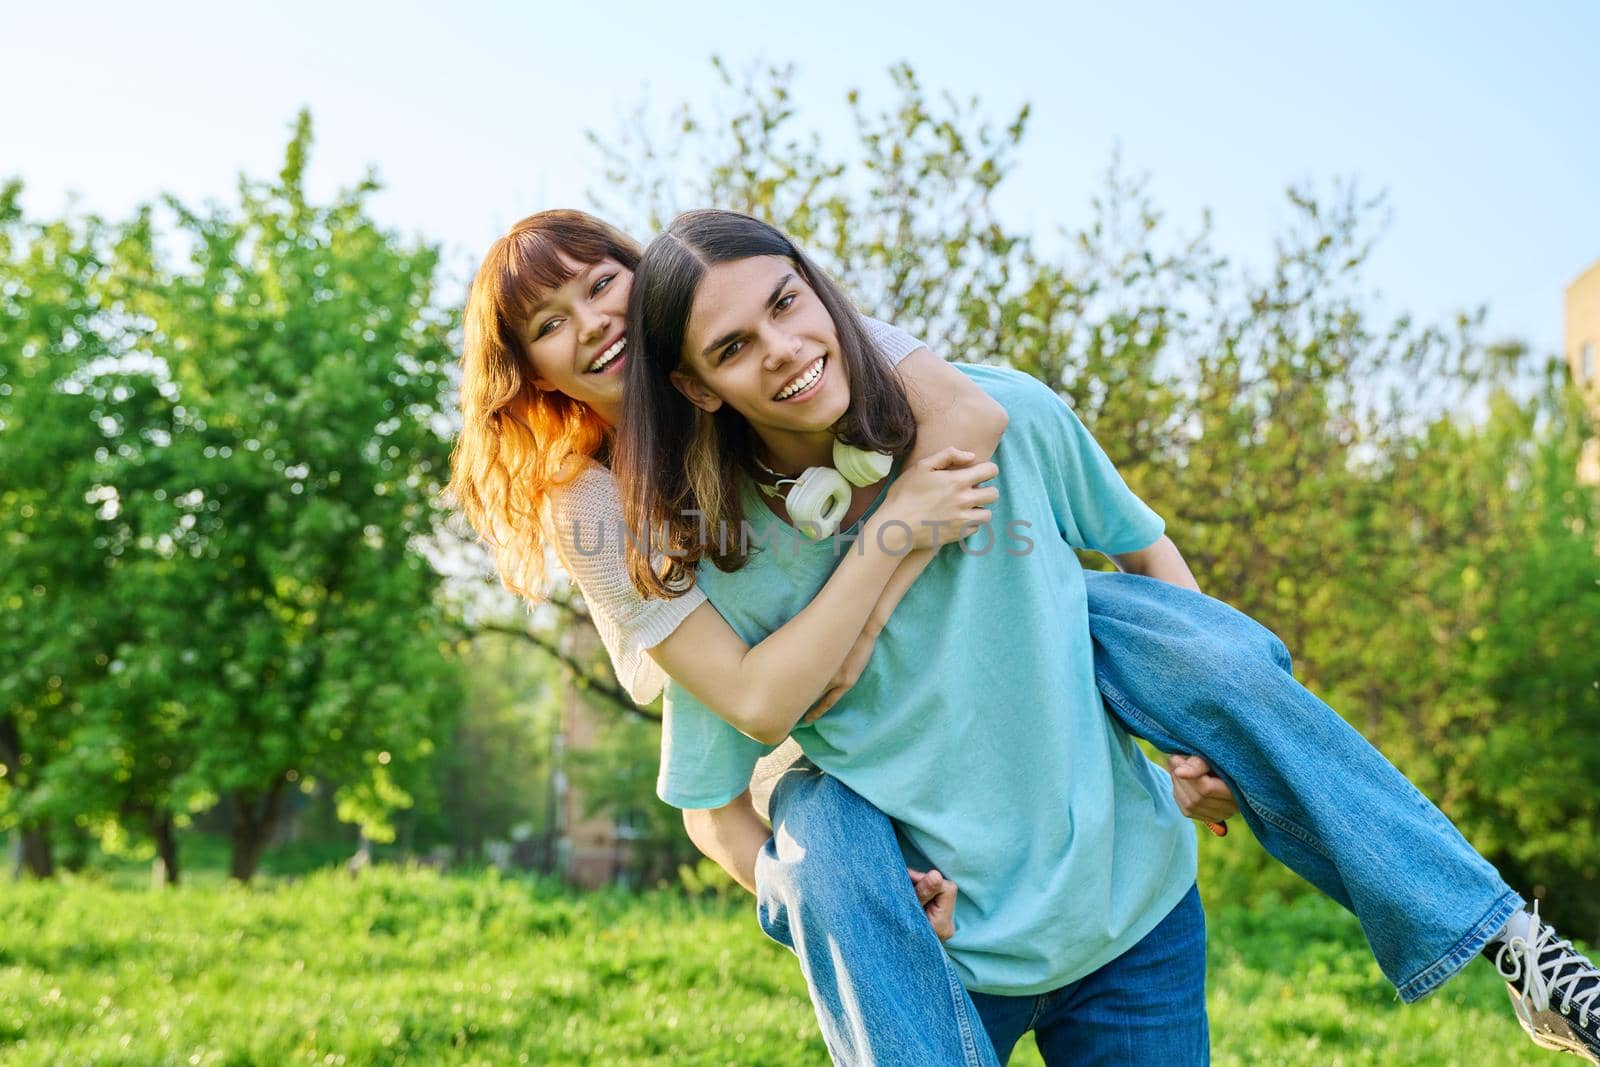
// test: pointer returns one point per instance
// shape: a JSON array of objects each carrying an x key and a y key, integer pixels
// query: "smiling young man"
[
  {"x": 976, "y": 725},
  {"x": 963, "y": 707}
]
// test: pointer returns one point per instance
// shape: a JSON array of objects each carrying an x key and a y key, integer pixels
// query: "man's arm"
[
  {"x": 1200, "y": 794},
  {"x": 1160, "y": 560},
  {"x": 731, "y": 836}
]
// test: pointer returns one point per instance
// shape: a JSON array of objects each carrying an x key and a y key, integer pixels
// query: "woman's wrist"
[{"x": 890, "y": 533}]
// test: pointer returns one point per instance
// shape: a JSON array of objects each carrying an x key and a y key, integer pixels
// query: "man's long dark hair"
[{"x": 675, "y": 461}]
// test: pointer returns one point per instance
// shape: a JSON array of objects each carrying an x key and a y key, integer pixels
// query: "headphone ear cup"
[
  {"x": 818, "y": 501},
  {"x": 859, "y": 466}
]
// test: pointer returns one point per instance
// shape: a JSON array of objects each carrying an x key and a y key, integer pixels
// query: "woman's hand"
[
  {"x": 937, "y": 895},
  {"x": 1200, "y": 794},
  {"x": 939, "y": 499},
  {"x": 848, "y": 674}
]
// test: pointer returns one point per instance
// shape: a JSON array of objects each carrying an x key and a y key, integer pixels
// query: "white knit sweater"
[{"x": 586, "y": 519}]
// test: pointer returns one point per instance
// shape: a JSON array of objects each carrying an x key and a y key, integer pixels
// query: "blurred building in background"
[
  {"x": 1582, "y": 345},
  {"x": 592, "y": 849}
]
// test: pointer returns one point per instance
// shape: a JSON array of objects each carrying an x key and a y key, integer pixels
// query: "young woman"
[
  {"x": 542, "y": 377},
  {"x": 540, "y": 413},
  {"x": 746, "y": 367}
]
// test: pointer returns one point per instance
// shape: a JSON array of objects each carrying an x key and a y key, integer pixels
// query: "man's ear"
[{"x": 695, "y": 390}]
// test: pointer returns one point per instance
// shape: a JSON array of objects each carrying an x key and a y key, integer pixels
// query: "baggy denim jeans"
[
  {"x": 831, "y": 884},
  {"x": 1146, "y": 1006},
  {"x": 1189, "y": 674}
]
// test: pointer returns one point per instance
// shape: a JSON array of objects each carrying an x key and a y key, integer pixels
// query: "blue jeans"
[
  {"x": 1146, "y": 1006},
  {"x": 1191, "y": 675},
  {"x": 831, "y": 884}
]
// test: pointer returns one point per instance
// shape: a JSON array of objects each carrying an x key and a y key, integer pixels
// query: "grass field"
[{"x": 416, "y": 968}]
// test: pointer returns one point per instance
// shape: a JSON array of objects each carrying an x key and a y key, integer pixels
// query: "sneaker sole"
[
  {"x": 1545, "y": 1039},
  {"x": 1559, "y": 1045}
]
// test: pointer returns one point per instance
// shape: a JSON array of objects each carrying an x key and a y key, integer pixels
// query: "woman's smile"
[
  {"x": 611, "y": 357},
  {"x": 576, "y": 337}
]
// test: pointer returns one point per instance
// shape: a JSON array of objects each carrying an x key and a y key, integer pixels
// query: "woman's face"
[
  {"x": 760, "y": 340},
  {"x": 576, "y": 337}
]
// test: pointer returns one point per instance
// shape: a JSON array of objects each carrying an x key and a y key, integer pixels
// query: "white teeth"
[
  {"x": 805, "y": 381},
  {"x": 604, "y": 358}
]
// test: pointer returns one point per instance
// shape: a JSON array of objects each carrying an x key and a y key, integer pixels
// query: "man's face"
[{"x": 760, "y": 340}]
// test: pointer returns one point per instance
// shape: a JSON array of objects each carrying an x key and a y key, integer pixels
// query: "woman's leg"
[
  {"x": 832, "y": 885},
  {"x": 1190, "y": 674}
]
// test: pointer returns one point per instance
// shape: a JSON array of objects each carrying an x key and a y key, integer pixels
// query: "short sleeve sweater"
[{"x": 585, "y": 523}]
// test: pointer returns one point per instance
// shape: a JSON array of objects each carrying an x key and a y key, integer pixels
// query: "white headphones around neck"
[{"x": 818, "y": 499}]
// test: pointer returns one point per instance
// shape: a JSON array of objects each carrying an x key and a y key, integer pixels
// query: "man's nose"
[{"x": 781, "y": 345}]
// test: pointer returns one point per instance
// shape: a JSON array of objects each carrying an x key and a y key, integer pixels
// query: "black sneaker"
[{"x": 1554, "y": 989}]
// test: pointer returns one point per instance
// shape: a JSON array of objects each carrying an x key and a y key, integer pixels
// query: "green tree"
[
  {"x": 1475, "y": 675},
  {"x": 288, "y": 628},
  {"x": 77, "y": 415},
  {"x": 492, "y": 773}
]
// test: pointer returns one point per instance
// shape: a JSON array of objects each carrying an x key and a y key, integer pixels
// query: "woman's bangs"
[{"x": 532, "y": 267}]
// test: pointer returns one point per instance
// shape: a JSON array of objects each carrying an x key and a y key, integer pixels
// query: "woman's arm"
[
  {"x": 949, "y": 407},
  {"x": 763, "y": 691},
  {"x": 822, "y": 651},
  {"x": 950, "y": 410}
]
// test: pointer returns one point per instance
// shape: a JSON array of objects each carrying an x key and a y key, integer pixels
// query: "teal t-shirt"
[{"x": 977, "y": 726}]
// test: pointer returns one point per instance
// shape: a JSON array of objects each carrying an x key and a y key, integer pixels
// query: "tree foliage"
[
  {"x": 1398, "y": 501},
  {"x": 248, "y": 407}
]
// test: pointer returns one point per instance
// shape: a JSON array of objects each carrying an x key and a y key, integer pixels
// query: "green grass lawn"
[{"x": 414, "y": 968}]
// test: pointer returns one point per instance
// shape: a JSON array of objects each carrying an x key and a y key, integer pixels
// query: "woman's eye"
[
  {"x": 732, "y": 350},
  {"x": 601, "y": 284},
  {"x": 549, "y": 325},
  {"x": 786, "y": 302}
]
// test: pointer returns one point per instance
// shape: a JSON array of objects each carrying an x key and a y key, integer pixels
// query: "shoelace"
[{"x": 1538, "y": 964}]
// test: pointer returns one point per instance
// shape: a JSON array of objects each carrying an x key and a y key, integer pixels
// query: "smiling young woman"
[{"x": 527, "y": 412}]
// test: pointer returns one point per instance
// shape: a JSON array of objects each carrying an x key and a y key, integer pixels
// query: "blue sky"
[{"x": 1482, "y": 121}]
